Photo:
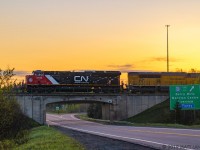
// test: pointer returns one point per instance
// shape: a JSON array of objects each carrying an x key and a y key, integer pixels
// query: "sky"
[{"x": 124, "y": 35}]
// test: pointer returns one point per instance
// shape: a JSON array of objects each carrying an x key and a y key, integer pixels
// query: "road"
[{"x": 161, "y": 138}]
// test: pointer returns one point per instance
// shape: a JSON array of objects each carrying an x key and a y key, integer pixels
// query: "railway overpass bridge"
[{"x": 114, "y": 106}]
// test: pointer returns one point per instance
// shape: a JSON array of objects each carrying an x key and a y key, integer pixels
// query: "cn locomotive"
[
  {"x": 151, "y": 82},
  {"x": 70, "y": 81}
]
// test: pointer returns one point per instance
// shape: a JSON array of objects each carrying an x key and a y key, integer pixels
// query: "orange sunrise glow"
[{"x": 128, "y": 35}]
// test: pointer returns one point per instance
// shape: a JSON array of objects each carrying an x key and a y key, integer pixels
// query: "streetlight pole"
[{"x": 167, "y": 49}]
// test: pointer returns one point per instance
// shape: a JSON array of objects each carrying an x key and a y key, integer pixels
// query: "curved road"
[{"x": 161, "y": 138}]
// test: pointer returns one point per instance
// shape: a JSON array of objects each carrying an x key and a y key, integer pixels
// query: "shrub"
[
  {"x": 95, "y": 111},
  {"x": 10, "y": 114},
  {"x": 22, "y": 137},
  {"x": 12, "y": 120},
  {"x": 7, "y": 144}
]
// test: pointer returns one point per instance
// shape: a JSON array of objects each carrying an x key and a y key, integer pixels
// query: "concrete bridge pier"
[
  {"x": 116, "y": 110},
  {"x": 108, "y": 112}
]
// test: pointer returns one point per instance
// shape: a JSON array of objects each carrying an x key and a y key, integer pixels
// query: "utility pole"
[{"x": 167, "y": 49}]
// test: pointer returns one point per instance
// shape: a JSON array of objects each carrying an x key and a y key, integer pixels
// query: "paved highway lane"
[{"x": 162, "y": 138}]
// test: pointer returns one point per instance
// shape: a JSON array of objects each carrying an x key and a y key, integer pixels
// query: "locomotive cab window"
[{"x": 38, "y": 73}]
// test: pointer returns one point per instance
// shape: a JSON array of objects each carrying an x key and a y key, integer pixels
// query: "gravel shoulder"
[{"x": 94, "y": 142}]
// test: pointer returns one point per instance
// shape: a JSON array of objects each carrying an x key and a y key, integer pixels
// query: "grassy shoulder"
[
  {"x": 44, "y": 137},
  {"x": 128, "y": 123}
]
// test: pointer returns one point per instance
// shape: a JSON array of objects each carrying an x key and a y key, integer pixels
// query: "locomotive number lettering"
[{"x": 81, "y": 79}]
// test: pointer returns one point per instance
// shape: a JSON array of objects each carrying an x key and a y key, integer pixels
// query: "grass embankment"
[
  {"x": 47, "y": 138},
  {"x": 159, "y": 113},
  {"x": 161, "y": 116},
  {"x": 156, "y": 116}
]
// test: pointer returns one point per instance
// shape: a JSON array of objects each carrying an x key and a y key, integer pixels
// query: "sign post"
[
  {"x": 188, "y": 96},
  {"x": 57, "y": 109}
]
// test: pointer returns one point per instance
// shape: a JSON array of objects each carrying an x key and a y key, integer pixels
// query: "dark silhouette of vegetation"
[
  {"x": 176, "y": 114},
  {"x": 13, "y": 124},
  {"x": 95, "y": 111}
]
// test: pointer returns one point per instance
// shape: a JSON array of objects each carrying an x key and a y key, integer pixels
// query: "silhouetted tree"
[
  {"x": 12, "y": 121},
  {"x": 95, "y": 111},
  {"x": 176, "y": 114}
]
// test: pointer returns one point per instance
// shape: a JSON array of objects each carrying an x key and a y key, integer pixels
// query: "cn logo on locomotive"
[{"x": 81, "y": 79}]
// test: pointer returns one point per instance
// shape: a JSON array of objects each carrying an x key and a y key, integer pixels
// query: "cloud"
[
  {"x": 21, "y": 73},
  {"x": 159, "y": 59},
  {"x": 123, "y": 68}
]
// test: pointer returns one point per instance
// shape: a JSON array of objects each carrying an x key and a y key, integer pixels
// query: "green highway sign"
[
  {"x": 57, "y": 108},
  {"x": 188, "y": 97}
]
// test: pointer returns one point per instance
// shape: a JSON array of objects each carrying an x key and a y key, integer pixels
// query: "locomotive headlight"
[{"x": 30, "y": 79}]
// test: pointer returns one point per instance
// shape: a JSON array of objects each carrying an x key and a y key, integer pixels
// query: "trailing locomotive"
[
  {"x": 67, "y": 81},
  {"x": 151, "y": 82}
]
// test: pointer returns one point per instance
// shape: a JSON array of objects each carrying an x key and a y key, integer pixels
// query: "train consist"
[
  {"x": 67, "y": 81},
  {"x": 152, "y": 82},
  {"x": 106, "y": 81}
]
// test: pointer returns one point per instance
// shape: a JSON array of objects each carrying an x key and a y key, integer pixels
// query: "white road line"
[
  {"x": 53, "y": 115},
  {"x": 116, "y": 136},
  {"x": 170, "y": 128},
  {"x": 197, "y": 130},
  {"x": 72, "y": 116}
]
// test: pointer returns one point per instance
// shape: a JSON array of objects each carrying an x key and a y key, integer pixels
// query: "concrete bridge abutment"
[
  {"x": 125, "y": 106},
  {"x": 34, "y": 107},
  {"x": 114, "y": 107}
]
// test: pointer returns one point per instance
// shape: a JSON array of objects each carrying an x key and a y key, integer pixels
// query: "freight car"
[
  {"x": 151, "y": 82},
  {"x": 69, "y": 81}
]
